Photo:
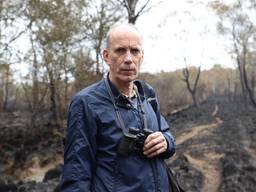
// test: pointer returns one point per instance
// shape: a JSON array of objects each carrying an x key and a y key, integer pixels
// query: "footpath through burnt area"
[
  {"x": 216, "y": 147},
  {"x": 216, "y": 150}
]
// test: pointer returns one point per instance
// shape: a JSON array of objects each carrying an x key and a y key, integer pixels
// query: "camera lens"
[
  {"x": 133, "y": 130},
  {"x": 147, "y": 132}
]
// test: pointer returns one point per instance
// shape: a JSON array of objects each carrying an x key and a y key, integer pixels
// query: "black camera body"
[{"x": 133, "y": 141}]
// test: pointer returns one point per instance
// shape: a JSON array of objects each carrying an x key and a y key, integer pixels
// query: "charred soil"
[
  {"x": 216, "y": 150},
  {"x": 216, "y": 147}
]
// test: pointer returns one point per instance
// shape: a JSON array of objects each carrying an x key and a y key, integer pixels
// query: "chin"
[{"x": 129, "y": 78}]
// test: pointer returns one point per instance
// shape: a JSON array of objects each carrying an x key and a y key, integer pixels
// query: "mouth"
[
  {"x": 128, "y": 68},
  {"x": 128, "y": 71}
]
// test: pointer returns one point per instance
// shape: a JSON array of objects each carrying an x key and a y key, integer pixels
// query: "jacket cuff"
[{"x": 171, "y": 146}]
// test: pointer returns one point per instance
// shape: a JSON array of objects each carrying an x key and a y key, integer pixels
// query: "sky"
[
  {"x": 180, "y": 33},
  {"x": 175, "y": 31}
]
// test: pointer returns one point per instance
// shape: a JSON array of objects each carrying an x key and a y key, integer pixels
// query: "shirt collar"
[{"x": 118, "y": 96}]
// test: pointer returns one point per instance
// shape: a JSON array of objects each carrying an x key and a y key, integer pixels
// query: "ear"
[
  {"x": 142, "y": 55},
  {"x": 105, "y": 56}
]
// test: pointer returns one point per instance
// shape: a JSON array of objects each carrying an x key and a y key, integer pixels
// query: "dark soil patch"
[
  {"x": 217, "y": 152},
  {"x": 228, "y": 148}
]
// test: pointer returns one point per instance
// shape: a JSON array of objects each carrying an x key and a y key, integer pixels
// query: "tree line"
[{"x": 64, "y": 39}]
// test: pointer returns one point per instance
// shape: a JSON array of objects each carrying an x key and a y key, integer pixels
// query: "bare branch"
[
  {"x": 20, "y": 33},
  {"x": 143, "y": 10}
]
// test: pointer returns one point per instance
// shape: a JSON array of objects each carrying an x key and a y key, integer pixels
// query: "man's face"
[{"x": 124, "y": 55}]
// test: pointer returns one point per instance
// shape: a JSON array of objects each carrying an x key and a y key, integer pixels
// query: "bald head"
[
  {"x": 122, "y": 29},
  {"x": 123, "y": 54}
]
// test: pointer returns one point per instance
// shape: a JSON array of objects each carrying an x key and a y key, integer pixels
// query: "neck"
[{"x": 125, "y": 88}]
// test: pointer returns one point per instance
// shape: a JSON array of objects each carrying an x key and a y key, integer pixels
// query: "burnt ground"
[
  {"x": 216, "y": 150},
  {"x": 216, "y": 147},
  {"x": 28, "y": 156}
]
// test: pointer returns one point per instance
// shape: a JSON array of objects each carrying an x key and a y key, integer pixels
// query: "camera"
[{"x": 133, "y": 141}]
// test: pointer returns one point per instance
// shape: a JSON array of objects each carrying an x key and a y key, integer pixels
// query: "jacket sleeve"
[
  {"x": 163, "y": 125},
  {"x": 80, "y": 148},
  {"x": 169, "y": 138}
]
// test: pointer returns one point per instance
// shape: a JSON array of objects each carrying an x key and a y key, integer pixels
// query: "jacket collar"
[{"x": 119, "y": 97}]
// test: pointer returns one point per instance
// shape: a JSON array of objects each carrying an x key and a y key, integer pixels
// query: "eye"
[
  {"x": 135, "y": 51},
  {"x": 120, "y": 50}
]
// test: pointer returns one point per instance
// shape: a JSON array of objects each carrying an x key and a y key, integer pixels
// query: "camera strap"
[
  {"x": 141, "y": 107},
  {"x": 119, "y": 117},
  {"x": 115, "y": 106}
]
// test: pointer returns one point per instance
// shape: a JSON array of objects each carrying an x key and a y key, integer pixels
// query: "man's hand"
[{"x": 154, "y": 144}]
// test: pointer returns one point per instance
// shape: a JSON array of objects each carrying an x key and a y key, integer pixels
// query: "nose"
[{"x": 128, "y": 58}]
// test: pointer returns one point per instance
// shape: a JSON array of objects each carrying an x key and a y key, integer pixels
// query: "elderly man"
[{"x": 117, "y": 139}]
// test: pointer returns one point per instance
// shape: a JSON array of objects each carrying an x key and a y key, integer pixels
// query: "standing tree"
[
  {"x": 54, "y": 31},
  {"x": 134, "y": 11},
  {"x": 107, "y": 13},
  {"x": 192, "y": 88},
  {"x": 185, "y": 35},
  {"x": 237, "y": 23},
  {"x": 62, "y": 32},
  {"x": 10, "y": 12}
]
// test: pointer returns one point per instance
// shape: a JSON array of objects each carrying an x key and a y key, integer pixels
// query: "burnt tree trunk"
[
  {"x": 191, "y": 90},
  {"x": 240, "y": 69},
  {"x": 246, "y": 83}
]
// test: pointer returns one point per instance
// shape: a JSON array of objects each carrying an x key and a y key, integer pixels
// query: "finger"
[
  {"x": 161, "y": 143},
  {"x": 152, "y": 136},
  {"x": 154, "y": 148},
  {"x": 156, "y": 152},
  {"x": 153, "y": 142}
]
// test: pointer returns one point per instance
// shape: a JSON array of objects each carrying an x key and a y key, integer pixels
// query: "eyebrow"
[{"x": 128, "y": 47}]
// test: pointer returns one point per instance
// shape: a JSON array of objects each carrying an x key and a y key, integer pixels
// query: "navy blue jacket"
[{"x": 91, "y": 162}]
